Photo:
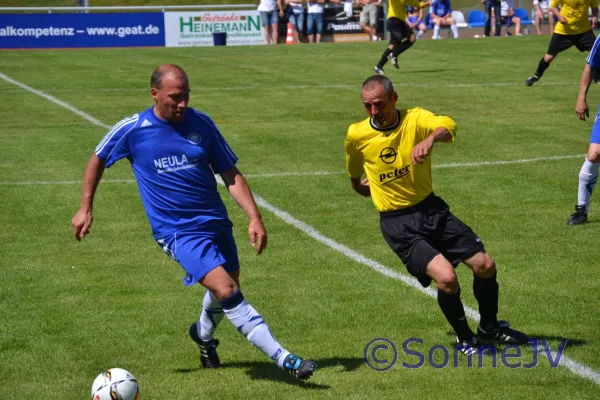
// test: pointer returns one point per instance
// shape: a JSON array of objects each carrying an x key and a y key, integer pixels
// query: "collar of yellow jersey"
[{"x": 389, "y": 128}]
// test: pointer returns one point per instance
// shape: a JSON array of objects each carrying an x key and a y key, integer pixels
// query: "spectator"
[
  {"x": 295, "y": 14},
  {"x": 368, "y": 17},
  {"x": 314, "y": 27},
  {"x": 270, "y": 11},
  {"x": 441, "y": 15},
  {"x": 490, "y": 5},
  {"x": 543, "y": 12},
  {"x": 414, "y": 20},
  {"x": 507, "y": 17}
]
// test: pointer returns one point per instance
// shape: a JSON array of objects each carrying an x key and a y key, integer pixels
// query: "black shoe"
[
  {"x": 501, "y": 333},
  {"x": 393, "y": 60},
  {"x": 579, "y": 216},
  {"x": 208, "y": 349},
  {"x": 468, "y": 346},
  {"x": 378, "y": 71},
  {"x": 531, "y": 80},
  {"x": 299, "y": 368}
]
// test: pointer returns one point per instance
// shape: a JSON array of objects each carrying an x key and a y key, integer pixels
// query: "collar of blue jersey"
[{"x": 389, "y": 128}]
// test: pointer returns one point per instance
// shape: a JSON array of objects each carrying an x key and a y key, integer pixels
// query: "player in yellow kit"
[
  {"x": 401, "y": 35},
  {"x": 572, "y": 29},
  {"x": 393, "y": 147}
]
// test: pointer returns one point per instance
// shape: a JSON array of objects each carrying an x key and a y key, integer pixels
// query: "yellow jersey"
[
  {"x": 576, "y": 14},
  {"x": 385, "y": 157},
  {"x": 397, "y": 8}
]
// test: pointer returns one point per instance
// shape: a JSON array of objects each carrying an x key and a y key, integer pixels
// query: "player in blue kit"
[
  {"x": 588, "y": 176},
  {"x": 174, "y": 152}
]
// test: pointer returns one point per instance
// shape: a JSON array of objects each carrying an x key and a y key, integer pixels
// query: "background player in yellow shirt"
[
  {"x": 393, "y": 148},
  {"x": 572, "y": 29},
  {"x": 401, "y": 35}
]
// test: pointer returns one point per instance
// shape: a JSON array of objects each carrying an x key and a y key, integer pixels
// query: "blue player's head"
[
  {"x": 379, "y": 98},
  {"x": 170, "y": 90}
]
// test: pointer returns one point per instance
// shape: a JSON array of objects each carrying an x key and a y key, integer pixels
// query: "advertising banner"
[
  {"x": 27, "y": 31},
  {"x": 197, "y": 28}
]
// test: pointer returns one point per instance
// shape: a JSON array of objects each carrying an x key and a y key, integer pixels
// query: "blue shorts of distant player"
[
  {"x": 595, "y": 137},
  {"x": 201, "y": 251}
]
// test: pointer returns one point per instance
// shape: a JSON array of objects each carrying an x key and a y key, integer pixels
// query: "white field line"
[
  {"x": 575, "y": 367},
  {"x": 317, "y": 173}
]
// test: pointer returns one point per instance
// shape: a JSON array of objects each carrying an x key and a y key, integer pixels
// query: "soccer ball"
[{"x": 115, "y": 384}]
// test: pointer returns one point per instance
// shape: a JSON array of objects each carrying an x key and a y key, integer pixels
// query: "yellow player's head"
[{"x": 379, "y": 98}]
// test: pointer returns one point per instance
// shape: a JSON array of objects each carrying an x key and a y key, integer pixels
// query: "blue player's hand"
[
  {"x": 258, "y": 235},
  {"x": 582, "y": 110},
  {"x": 81, "y": 222}
]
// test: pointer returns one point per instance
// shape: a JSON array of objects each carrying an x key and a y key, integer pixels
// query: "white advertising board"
[{"x": 197, "y": 28}]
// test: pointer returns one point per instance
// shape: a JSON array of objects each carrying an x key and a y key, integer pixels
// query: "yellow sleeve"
[
  {"x": 429, "y": 122},
  {"x": 558, "y": 3},
  {"x": 594, "y": 3},
  {"x": 354, "y": 158}
]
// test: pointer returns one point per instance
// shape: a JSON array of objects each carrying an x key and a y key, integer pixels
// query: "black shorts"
[
  {"x": 419, "y": 233},
  {"x": 583, "y": 42},
  {"x": 399, "y": 31}
]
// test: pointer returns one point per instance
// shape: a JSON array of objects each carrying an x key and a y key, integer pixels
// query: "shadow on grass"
[{"x": 265, "y": 370}]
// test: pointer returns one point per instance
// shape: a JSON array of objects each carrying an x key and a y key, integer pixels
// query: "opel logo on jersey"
[
  {"x": 194, "y": 138},
  {"x": 388, "y": 155}
]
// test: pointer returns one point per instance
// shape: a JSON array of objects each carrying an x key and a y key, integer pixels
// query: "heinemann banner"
[
  {"x": 27, "y": 31},
  {"x": 197, "y": 28}
]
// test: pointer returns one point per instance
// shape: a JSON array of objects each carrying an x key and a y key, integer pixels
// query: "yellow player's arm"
[{"x": 554, "y": 7}]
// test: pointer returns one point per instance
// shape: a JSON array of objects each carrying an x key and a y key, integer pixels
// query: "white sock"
[
  {"x": 436, "y": 31},
  {"x": 210, "y": 317},
  {"x": 588, "y": 176},
  {"x": 251, "y": 324},
  {"x": 454, "y": 31},
  {"x": 419, "y": 34}
]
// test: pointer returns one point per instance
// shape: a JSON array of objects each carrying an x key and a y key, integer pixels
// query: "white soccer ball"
[{"x": 115, "y": 384}]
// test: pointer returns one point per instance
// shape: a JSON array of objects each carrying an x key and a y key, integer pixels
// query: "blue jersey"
[
  {"x": 594, "y": 57},
  {"x": 174, "y": 165},
  {"x": 440, "y": 7}
]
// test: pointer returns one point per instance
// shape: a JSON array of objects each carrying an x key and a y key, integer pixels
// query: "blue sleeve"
[
  {"x": 594, "y": 57},
  {"x": 114, "y": 145},
  {"x": 220, "y": 156}
]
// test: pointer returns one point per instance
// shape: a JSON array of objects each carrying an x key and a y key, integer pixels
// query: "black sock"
[
  {"x": 384, "y": 58},
  {"x": 542, "y": 66},
  {"x": 402, "y": 47},
  {"x": 454, "y": 312},
  {"x": 486, "y": 293}
]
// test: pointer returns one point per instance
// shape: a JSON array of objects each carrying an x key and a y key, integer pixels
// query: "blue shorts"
[
  {"x": 199, "y": 252},
  {"x": 314, "y": 22},
  {"x": 269, "y": 17},
  {"x": 595, "y": 137},
  {"x": 297, "y": 20}
]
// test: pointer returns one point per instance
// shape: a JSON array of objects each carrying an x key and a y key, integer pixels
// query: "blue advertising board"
[{"x": 27, "y": 31}]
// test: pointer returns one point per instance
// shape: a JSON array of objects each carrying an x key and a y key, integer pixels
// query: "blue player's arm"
[
  {"x": 111, "y": 148},
  {"x": 581, "y": 109},
  {"x": 82, "y": 221},
  {"x": 240, "y": 191}
]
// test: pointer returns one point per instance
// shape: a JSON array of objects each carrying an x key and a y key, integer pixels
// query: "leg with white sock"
[
  {"x": 210, "y": 317},
  {"x": 588, "y": 177},
  {"x": 454, "y": 29},
  {"x": 251, "y": 324},
  {"x": 436, "y": 32}
]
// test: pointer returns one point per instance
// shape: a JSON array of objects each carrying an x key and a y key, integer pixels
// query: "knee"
[
  {"x": 448, "y": 283},
  {"x": 485, "y": 268},
  {"x": 593, "y": 156},
  {"x": 224, "y": 290}
]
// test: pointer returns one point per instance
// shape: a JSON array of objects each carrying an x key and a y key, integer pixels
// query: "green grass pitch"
[{"x": 68, "y": 310}]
